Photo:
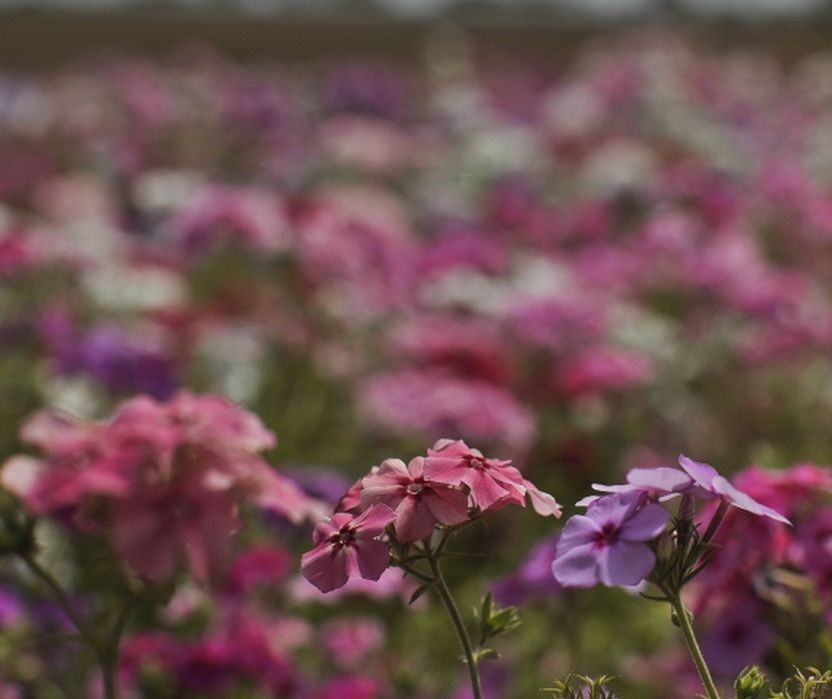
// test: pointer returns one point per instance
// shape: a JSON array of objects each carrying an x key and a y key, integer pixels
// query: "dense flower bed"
[{"x": 582, "y": 270}]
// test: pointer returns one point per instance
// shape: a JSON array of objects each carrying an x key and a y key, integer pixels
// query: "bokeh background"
[{"x": 581, "y": 235}]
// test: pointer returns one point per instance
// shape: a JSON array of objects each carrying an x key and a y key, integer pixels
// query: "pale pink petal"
[
  {"x": 448, "y": 506},
  {"x": 372, "y": 522},
  {"x": 484, "y": 490},
  {"x": 416, "y": 467},
  {"x": 414, "y": 520},
  {"x": 148, "y": 546},
  {"x": 20, "y": 475},
  {"x": 324, "y": 568},
  {"x": 447, "y": 471},
  {"x": 323, "y": 530},
  {"x": 373, "y": 559},
  {"x": 544, "y": 504}
]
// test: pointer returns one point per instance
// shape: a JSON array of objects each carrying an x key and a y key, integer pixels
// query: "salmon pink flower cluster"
[
  {"x": 164, "y": 480},
  {"x": 448, "y": 487}
]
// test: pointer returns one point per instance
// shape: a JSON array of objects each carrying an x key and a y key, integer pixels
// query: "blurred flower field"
[{"x": 583, "y": 268}]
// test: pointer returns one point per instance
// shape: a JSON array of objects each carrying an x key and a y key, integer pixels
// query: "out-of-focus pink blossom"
[
  {"x": 350, "y": 640},
  {"x": 172, "y": 476},
  {"x": 433, "y": 403}
]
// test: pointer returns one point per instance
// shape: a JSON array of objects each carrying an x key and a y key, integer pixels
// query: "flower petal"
[
  {"x": 373, "y": 558},
  {"x": 645, "y": 524},
  {"x": 625, "y": 563},
  {"x": 324, "y": 567},
  {"x": 414, "y": 521},
  {"x": 576, "y": 567},
  {"x": 448, "y": 505}
]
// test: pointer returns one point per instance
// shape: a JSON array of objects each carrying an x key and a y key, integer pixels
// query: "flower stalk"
[
  {"x": 684, "y": 621},
  {"x": 106, "y": 651},
  {"x": 458, "y": 624}
]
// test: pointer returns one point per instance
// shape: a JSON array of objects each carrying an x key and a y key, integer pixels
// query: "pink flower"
[
  {"x": 255, "y": 567},
  {"x": 347, "y": 546},
  {"x": 433, "y": 402},
  {"x": 491, "y": 482},
  {"x": 163, "y": 479},
  {"x": 419, "y": 503},
  {"x": 349, "y": 641},
  {"x": 349, "y": 688}
]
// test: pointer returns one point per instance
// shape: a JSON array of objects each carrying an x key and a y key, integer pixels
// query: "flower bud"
[{"x": 750, "y": 683}]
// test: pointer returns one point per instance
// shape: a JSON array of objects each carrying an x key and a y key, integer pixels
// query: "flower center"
[
  {"x": 607, "y": 536},
  {"x": 415, "y": 488},
  {"x": 476, "y": 462},
  {"x": 346, "y": 536}
]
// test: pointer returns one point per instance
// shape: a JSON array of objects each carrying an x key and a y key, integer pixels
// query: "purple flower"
[
  {"x": 739, "y": 638},
  {"x": 707, "y": 480},
  {"x": 662, "y": 483},
  {"x": 533, "y": 578},
  {"x": 606, "y": 545}
]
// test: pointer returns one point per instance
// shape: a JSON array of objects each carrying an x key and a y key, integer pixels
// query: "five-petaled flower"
[
  {"x": 419, "y": 504},
  {"x": 491, "y": 482},
  {"x": 348, "y": 546},
  {"x": 607, "y": 544}
]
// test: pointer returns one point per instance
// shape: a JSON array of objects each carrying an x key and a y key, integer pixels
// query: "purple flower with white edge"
[
  {"x": 607, "y": 544},
  {"x": 707, "y": 480}
]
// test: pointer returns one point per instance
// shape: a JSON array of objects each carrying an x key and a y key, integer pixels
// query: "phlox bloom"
[
  {"x": 491, "y": 482},
  {"x": 419, "y": 503},
  {"x": 606, "y": 545},
  {"x": 706, "y": 478},
  {"x": 348, "y": 546}
]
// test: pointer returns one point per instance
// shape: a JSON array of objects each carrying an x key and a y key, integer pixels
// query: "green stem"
[
  {"x": 106, "y": 652},
  {"x": 459, "y": 625},
  {"x": 109, "y": 665},
  {"x": 108, "y": 656},
  {"x": 683, "y": 616},
  {"x": 61, "y": 597}
]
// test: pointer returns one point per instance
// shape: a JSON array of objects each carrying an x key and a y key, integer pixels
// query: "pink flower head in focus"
[
  {"x": 348, "y": 546},
  {"x": 490, "y": 481},
  {"x": 419, "y": 503}
]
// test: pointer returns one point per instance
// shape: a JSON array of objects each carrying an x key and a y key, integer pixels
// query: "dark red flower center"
[
  {"x": 608, "y": 535},
  {"x": 345, "y": 537},
  {"x": 415, "y": 488},
  {"x": 476, "y": 462}
]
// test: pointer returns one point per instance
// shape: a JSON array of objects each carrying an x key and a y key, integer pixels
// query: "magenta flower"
[
  {"x": 707, "y": 480},
  {"x": 454, "y": 463},
  {"x": 606, "y": 545},
  {"x": 419, "y": 504},
  {"x": 347, "y": 546}
]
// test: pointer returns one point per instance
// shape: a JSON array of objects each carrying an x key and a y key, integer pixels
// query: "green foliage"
[
  {"x": 494, "y": 620},
  {"x": 581, "y": 687},
  {"x": 814, "y": 685},
  {"x": 750, "y": 683}
]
